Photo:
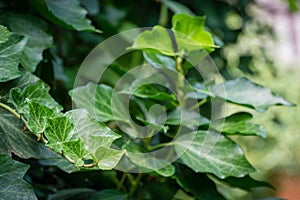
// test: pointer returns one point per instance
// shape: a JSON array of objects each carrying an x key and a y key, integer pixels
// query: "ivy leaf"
[
  {"x": 37, "y": 117},
  {"x": 239, "y": 123},
  {"x": 22, "y": 143},
  {"x": 246, "y": 93},
  {"x": 186, "y": 26},
  {"x": 37, "y": 92},
  {"x": 108, "y": 158},
  {"x": 157, "y": 39},
  {"x": 10, "y": 55},
  {"x": 177, "y": 7},
  {"x": 61, "y": 162},
  {"x": 158, "y": 60},
  {"x": 73, "y": 193},
  {"x": 58, "y": 130},
  {"x": 36, "y": 30},
  {"x": 75, "y": 150},
  {"x": 98, "y": 101},
  {"x": 93, "y": 133},
  {"x": 109, "y": 194},
  {"x": 4, "y": 34},
  {"x": 225, "y": 159},
  {"x": 12, "y": 184},
  {"x": 184, "y": 117}
]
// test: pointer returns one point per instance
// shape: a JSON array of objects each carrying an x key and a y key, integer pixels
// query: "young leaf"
[
  {"x": 224, "y": 159},
  {"x": 37, "y": 117},
  {"x": 37, "y": 92},
  {"x": 191, "y": 27},
  {"x": 244, "y": 92},
  {"x": 58, "y": 130},
  {"x": 35, "y": 29},
  {"x": 22, "y": 143},
  {"x": 98, "y": 101},
  {"x": 108, "y": 158},
  {"x": 12, "y": 184},
  {"x": 4, "y": 34},
  {"x": 157, "y": 39},
  {"x": 11, "y": 52},
  {"x": 75, "y": 150}
]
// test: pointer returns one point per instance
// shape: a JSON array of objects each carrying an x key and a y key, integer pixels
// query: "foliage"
[{"x": 101, "y": 135}]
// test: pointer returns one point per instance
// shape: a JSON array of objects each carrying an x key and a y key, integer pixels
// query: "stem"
[
  {"x": 161, "y": 145},
  {"x": 203, "y": 101},
  {"x": 12, "y": 111},
  {"x": 120, "y": 184},
  {"x": 163, "y": 15},
  {"x": 135, "y": 184},
  {"x": 180, "y": 81}
]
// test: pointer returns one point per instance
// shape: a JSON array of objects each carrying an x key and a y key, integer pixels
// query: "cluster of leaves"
[{"x": 88, "y": 138}]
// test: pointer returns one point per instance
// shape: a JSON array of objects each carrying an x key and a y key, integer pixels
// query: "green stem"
[
  {"x": 120, "y": 184},
  {"x": 180, "y": 81},
  {"x": 161, "y": 145},
  {"x": 12, "y": 111},
  {"x": 203, "y": 101},
  {"x": 135, "y": 184},
  {"x": 163, "y": 15}
]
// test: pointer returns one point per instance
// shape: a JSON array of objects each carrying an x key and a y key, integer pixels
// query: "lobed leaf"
[
  {"x": 4, "y": 34},
  {"x": 108, "y": 158}
]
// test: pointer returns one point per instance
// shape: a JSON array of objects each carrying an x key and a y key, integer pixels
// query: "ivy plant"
[{"x": 98, "y": 133}]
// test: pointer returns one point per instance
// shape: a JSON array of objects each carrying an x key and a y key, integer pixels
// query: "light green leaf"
[
  {"x": 37, "y": 92},
  {"x": 244, "y": 92},
  {"x": 177, "y": 7},
  {"x": 157, "y": 39},
  {"x": 224, "y": 159},
  {"x": 108, "y": 158},
  {"x": 109, "y": 194},
  {"x": 36, "y": 30},
  {"x": 94, "y": 134},
  {"x": 193, "y": 27},
  {"x": 58, "y": 130},
  {"x": 10, "y": 55},
  {"x": 239, "y": 123},
  {"x": 71, "y": 13},
  {"x": 12, "y": 184},
  {"x": 4, "y": 34},
  {"x": 75, "y": 150},
  {"x": 158, "y": 60},
  {"x": 37, "y": 117},
  {"x": 98, "y": 101},
  {"x": 22, "y": 143},
  {"x": 184, "y": 117}
]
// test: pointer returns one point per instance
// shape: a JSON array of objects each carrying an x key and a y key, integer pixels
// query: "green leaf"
[
  {"x": 73, "y": 193},
  {"x": 37, "y": 92},
  {"x": 75, "y": 150},
  {"x": 37, "y": 117},
  {"x": 246, "y": 182},
  {"x": 12, "y": 184},
  {"x": 177, "y": 7},
  {"x": 224, "y": 158},
  {"x": 158, "y": 60},
  {"x": 36, "y": 30},
  {"x": 239, "y": 123},
  {"x": 4, "y": 34},
  {"x": 196, "y": 183},
  {"x": 244, "y": 92},
  {"x": 61, "y": 162},
  {"x": 58, "y": 130},
  {"x": 184, "y": 117},
  {"x": 109, "y": 194},
  {"x": 157, "y": 39},
  {"x": 10, "y": 55},
  {"x": 108, "y": 158},
  {"x": 98, "y": 101},
  {"x": 22, "y": 143},
  {"x": 186, "y": 26}
]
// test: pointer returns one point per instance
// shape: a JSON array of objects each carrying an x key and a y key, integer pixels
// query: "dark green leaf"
[
  {"x": 11, "y": 52},
  {"x": 177, "y": 7},
  {"x": 98, "y": 101},
  {"x": 4, "y": 34},
  {"x": 109, "y": 194},
  {"x": 58, "y": 130},
  {"x": 239, "y": 123},
  {"x": 12, "y": 184},
  {"x": 37, "y": 92},
  {"x": 60, "y": 162},
  {"x": 36, "y": 30},
  {"x": 244, "y": 92},
  {"x": 219, "y": 155},
  {"x": 197, "y": 183},
  {"x": 22, "y": 143},
  {"x": 72, "y": 194}
]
